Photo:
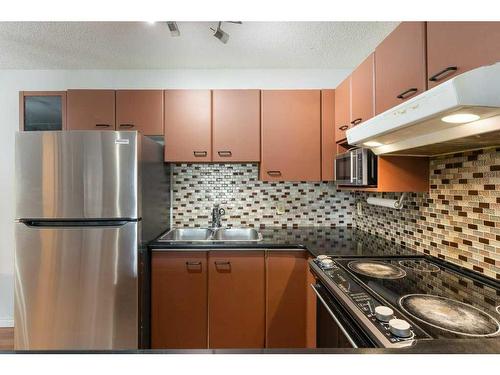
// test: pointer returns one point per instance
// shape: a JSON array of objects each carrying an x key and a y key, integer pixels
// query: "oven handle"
[{"x": 349, "y": 338}]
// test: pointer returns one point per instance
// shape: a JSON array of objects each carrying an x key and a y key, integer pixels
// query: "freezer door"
[
  {"x": 76, "y": 287},
  {"x": 77, "y": 175}
]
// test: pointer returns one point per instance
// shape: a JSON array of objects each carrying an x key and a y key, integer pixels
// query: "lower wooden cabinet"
[
  {"x": 236, "y": 309},
  {"x": 232, "y": 299},
  {"x": 290, "y": 308},
  {"x": 179, "y": 300}
]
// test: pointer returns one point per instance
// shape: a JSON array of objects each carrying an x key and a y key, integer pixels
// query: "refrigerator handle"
[{"x": 74, "y": 223}]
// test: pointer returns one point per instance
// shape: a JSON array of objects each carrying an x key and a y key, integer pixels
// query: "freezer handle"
[{"x": 74, "y": 223}]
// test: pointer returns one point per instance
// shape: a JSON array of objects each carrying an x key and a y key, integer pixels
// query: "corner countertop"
[
  {"x": 337, "y": 242},
  {"x": 455, "y": 346}
]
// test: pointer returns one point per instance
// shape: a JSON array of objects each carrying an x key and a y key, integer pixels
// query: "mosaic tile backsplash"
[
  {"x": 458, "y": 221},
  {"x": 253, "y": 203}
]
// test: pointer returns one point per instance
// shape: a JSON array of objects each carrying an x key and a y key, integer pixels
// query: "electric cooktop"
[
  {"x": 436, "y": 300},
  {"x": 442, "y": 301}
]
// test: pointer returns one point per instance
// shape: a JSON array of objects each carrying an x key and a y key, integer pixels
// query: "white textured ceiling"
[{"x": 138, "y": 45}]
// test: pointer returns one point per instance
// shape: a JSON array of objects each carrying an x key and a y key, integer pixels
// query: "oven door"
[
  {"x": 334, "y": 325},
  {"x": 345, "y": 168}
]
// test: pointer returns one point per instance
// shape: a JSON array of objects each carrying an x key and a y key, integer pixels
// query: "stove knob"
[
  {"x": 327, "y": 263},
  {"x": 321, "y": 257},
  {"x": 384, "y": 313},
  {"x": 399, "y": 327}
]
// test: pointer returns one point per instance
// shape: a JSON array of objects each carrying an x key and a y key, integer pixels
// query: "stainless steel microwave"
[{"x": 356, "y": 167}]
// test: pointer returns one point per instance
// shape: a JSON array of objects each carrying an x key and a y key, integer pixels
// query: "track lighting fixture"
[
  {"x": 174, "y": 29},
  {"x": 220, "y": 34}
]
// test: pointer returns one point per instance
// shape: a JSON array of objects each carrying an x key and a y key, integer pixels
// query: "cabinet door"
[
  {"x": 287, "y": 293},
  {"x": 91, "y": 110},
  {"x": 179, "y": 300},
  {"x": 400, "y": 66},
  {"x": 188, "y": 125},
  {"x": 327, "y": 134},
  {"x": 363, "y": 92},
  {"x": 42, "y": 110},
  {"x": 456, "y": 47},
  {"x": 291, "y": 135},
  {"x": 140, "y": 110},
  {"x": 236, "y": 299},
  {"x": 236, "y": 125},
  {"x": 342, "y": 109}
]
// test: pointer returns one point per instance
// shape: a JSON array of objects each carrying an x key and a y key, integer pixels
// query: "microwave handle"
[{"x": 352, "y": 166}]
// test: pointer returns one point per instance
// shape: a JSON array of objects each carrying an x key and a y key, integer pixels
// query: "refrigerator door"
[
  {"x": 77, "y": 175},
  {"x": 76, "y": 287}
]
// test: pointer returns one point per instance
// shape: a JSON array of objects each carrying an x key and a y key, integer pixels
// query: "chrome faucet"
[{"x": 217, "y": 213}]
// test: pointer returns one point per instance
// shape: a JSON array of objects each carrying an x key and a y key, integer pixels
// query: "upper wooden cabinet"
[
  {"x": 291, "y": 135},
  {"x": 400, "y": 62},
  {"x": 91, "y": 110},
  {"x": 236, "y": 308},
  {"x": 236, "y": 125},
  {"x": 327, "y": 134},
  {"x": 188, "y": 129},
  {"x": 342, "y": 109},
  {"x": 363, "y": 91},
  {"x": 456, "y": 47},
  {"x": 140, "y": 110},
  {"x": 179, "y": 300},
  {"x": 42, "y": 110}
]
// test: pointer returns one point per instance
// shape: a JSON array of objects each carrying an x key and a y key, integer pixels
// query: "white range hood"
[{"x": 460, "y": 114}]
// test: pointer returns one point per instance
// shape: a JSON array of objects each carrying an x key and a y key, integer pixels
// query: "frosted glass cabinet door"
[{"x": 42, "y": 110}]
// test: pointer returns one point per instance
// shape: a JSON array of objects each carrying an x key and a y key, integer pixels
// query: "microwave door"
[{"x": 342, "y": 169}]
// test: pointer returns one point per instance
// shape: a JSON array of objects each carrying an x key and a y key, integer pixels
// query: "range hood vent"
[{"x": 460, "y": 114}]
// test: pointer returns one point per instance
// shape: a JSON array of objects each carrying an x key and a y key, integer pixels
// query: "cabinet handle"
[
  {"x": 222, "y": 263},
  {"x": 274, "y": 173},
  {"x": 102, "y": 125},
  {"x": 126, "y": 125},
  {"x": 440, "y": 75},
  {"x": 406, "y": 94},
  {"x": 344, "y": 127},
  {"x": 356, "y": 121},
  {"x": 225, "y": 153},
  {"x": 193, "y": 263},
  {"x": 200, "y": 154}
]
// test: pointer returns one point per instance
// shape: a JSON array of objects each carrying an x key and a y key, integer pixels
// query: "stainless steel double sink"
[{"x": 211, "y": 235}]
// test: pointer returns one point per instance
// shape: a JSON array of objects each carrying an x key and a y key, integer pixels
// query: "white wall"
[{"x": 13, "y": 81}]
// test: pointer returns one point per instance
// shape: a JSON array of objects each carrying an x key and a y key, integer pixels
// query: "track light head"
[
  {"x": 220, "y": 34},
  {"x": 174, "y": 29}
]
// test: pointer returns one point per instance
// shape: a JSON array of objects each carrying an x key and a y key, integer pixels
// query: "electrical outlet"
[
  {"x": 359, "y": 208},
  {"x": 280, "y": 208}
]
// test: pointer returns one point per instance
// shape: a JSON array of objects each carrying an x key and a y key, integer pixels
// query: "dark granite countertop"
[
  {"x": 337, "y": 242},
  {"x": 458, "y": 346}
]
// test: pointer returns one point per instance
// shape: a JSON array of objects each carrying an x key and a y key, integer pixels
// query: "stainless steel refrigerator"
[{"x": 87, "y": 202}]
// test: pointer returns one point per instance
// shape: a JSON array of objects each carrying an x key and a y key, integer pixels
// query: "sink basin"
[
  {"x": 187, "y": 234},
  {"x": 206, "y": 235},
  {"x": 237, "y": 234}
]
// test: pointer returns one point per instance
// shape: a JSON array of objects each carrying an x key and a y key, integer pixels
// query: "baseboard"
[{"x": 6, "y": 322}]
